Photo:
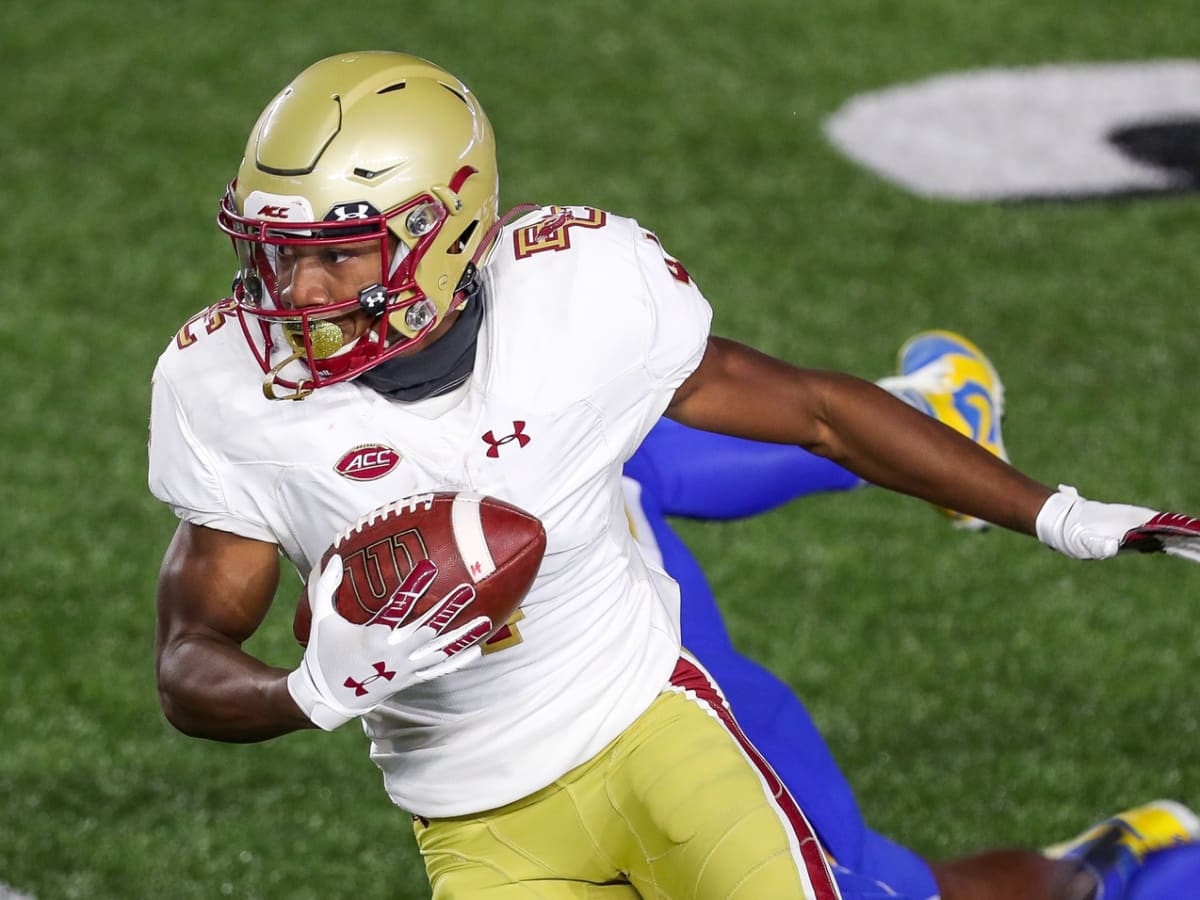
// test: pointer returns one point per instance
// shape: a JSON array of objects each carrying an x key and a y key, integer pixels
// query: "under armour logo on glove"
[
  {"x": 495, "y": 443},
  {"x": 360, "y": 687},
  {"x": 1171, "y": 533},
  {"x": 418, "y": 644}
]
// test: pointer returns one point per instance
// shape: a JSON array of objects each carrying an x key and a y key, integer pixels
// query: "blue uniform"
[{"x": 691, "y": 473}]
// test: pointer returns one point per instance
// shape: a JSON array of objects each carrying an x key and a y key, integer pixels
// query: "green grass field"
[{"x": 978, "y": 690}]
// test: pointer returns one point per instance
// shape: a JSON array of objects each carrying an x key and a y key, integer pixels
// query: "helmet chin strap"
[
  {"x": 433, "y": 370},
  {"x": 326, "y": 339}
]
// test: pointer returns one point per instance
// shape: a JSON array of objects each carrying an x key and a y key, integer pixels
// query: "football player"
[
  {"x": 680, "y": 471},
  {"x": 390, "y": 333}
]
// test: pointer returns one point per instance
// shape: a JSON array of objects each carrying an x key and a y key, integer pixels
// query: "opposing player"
[
  {"x": 680, "y": 471},
  {"x": 428, "y": 344}
]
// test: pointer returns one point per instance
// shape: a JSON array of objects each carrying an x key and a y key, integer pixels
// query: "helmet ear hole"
[{"x": 464, "y": 239}]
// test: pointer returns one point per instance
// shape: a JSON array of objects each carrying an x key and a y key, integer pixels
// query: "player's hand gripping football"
[
  {"x": 1085, "y": 529},
  {"x": 348, "y": 669}
]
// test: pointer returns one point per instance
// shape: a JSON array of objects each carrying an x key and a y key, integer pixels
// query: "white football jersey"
[{"x": 588, "y": 330}]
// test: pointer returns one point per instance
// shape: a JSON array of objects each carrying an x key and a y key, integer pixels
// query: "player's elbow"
[
  {"x": 177, "y": 693},
  {"x": 174, "y": 708},
  {"x": 173, "y": 714}
]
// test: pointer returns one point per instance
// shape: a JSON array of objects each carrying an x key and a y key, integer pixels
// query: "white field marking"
[{"x": 1021, "y": 133}]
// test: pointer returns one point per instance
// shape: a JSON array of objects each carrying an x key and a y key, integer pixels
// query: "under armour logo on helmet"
[
  {"x": 345, "y": 212},
  {"x": 495, "y": 443},
  {"x": 373, "y": 299},
  {"x": 360, "y": 687}
]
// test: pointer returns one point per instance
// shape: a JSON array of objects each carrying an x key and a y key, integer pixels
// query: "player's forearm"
[
  {"x": 211, "y": 689},
  {"x": 897, "y": 447},
  {"x": 858, "y": 425}
]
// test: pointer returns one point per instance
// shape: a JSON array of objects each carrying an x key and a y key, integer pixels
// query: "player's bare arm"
[
  {"x": 858, "y": 425},
  {"x": 214, "y": 588}
]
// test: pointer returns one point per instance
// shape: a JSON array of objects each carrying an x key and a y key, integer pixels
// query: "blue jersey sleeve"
[{"x": 715, "y": 476}]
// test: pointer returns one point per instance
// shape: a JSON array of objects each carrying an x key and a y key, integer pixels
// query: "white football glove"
[
  {"x": 1085, "y": 529},
  {"x": 348, "y": 669}
]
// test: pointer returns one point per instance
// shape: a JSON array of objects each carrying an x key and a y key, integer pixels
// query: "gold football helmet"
[{"x": 371, "y": 146}]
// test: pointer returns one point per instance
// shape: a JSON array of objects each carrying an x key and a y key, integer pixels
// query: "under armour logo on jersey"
[
  {"x": 360, "y": 687},
  {"x": 494, "y": 443},
  {"x": 344, "y": 212}
]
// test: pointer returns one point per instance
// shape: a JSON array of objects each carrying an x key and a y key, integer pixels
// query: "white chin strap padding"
[{"x": 398, "y": 256}]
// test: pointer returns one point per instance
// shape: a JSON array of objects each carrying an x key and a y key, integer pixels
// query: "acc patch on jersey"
[{"x": 367, "y": 462}]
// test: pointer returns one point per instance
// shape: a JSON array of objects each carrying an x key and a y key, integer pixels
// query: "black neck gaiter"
[{"x": 435, "y": 370}]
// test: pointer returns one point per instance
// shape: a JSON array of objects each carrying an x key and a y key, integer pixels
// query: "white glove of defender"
[
  {"x": 348, "y": 669},
  {"x": 1085, "y": 529}
]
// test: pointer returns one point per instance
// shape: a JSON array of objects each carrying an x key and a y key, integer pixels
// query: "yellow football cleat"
[
  {"x": 949, "y": 378},
  {"x": 1113, "y": 850},
  {"x": 1154, "y": 826}
]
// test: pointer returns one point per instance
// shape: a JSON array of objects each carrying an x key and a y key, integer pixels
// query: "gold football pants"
[{"x": 680, "y": 806}]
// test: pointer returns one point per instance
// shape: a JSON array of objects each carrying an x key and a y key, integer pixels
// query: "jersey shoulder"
[
  {"x": 208, "y": 348},
  {"x": 206, "y": 391},
  {"x": 581, "y": 253},
  {"x": 208, "y": 379},
  {"x": 590, "y": 294},
  {"x": 218, "y": 447}
]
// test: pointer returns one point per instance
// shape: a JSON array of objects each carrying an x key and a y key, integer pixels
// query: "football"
[{"x": 475, "y": 540}]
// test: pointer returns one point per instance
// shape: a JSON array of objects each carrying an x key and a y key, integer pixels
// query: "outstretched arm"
[{"x": 739, "y": 391}]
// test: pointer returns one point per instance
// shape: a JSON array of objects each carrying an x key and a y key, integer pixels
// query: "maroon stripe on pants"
[{"x": 691, "y": 678}]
